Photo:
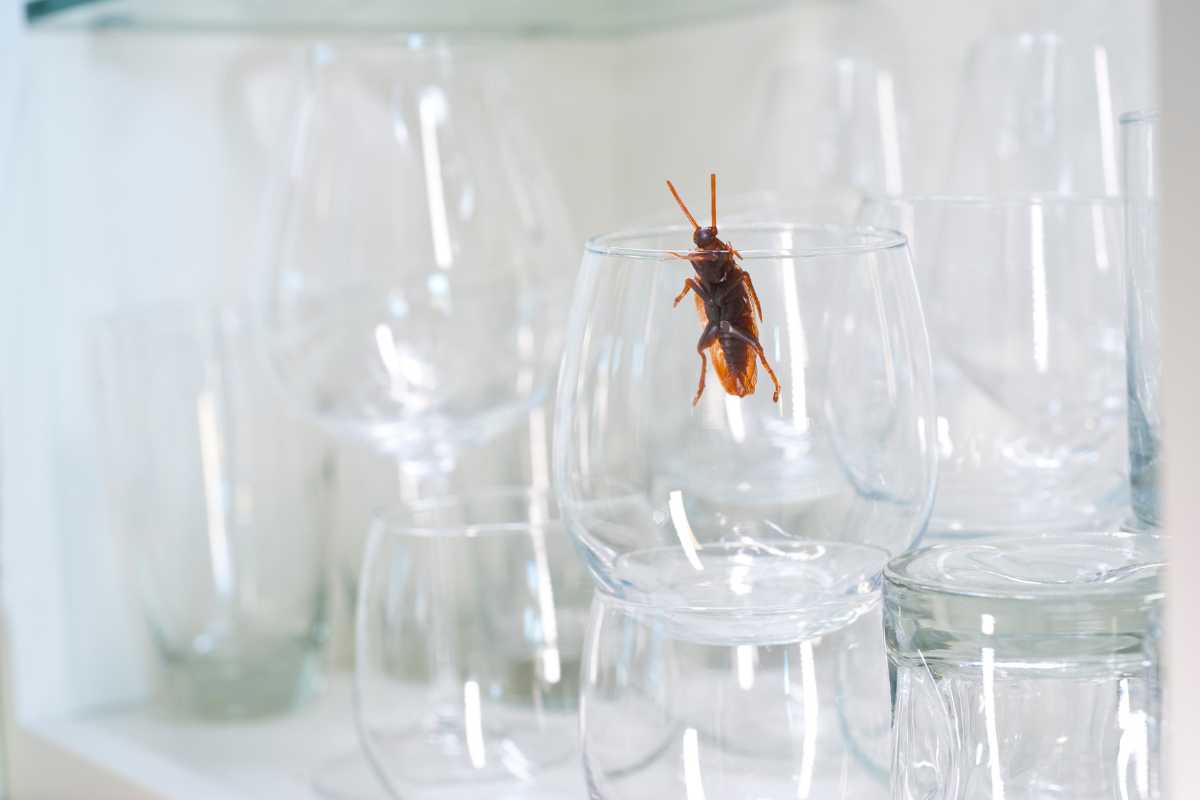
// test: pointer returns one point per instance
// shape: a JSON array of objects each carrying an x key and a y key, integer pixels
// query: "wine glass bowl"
[
  {"x": 742, "y": 502},
  {"x": 411, "y": 221}
]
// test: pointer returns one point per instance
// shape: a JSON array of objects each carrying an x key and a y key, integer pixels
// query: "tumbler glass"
[
  {"x": 1020, "y": 668},
  {"x": 714, "y": 504},
  {"x": 1143, "y": 345},
  {"x": 223, "y": 501},
  {"x": 721, "y": 711},
  {"x": 1022, "y": 297},
  {"x": 470, "y": 622}
]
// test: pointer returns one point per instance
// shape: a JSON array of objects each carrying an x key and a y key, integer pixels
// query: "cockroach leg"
[
  {"x": 753, "y": 294},
  {"x": 690, "y": 285},
  {"x": 706, "y": 341},
  {"x": 733, "y": 250},
  {"x": 758, "y": 348}
]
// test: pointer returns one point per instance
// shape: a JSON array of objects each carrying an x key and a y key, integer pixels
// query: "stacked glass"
[{"x": 736, "y": 541}]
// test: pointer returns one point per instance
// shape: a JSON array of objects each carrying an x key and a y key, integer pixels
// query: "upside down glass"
[
  {"x": 412, "y": 289},
  {"x": 1143, "y": 346},
  {"x": 470, "y": 622},
  {"x": 715, "y": 506},
  {"x": 1021, "y": 668},
  {"x": 1023, "y": 301},
  {"x": 223, "y": 501}
]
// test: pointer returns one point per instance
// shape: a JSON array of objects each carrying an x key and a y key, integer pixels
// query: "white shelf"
[{"x": 140, "y": 753}]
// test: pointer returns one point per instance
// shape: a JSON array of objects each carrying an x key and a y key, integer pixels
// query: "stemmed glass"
[
  {"x": 411, "y": 296},
  {"x": 730, "y": 536}
]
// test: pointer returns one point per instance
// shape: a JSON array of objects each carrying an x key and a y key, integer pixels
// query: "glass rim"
[
  {"x": 395, "y": 519},
  {"x": 607, "y": 244},
  {"x": 1139, "y": 116},
  {"x": 893, "y": 576},
  {"x": 994, "y": 201}
]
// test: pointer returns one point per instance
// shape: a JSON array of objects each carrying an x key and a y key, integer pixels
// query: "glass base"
[
  {"x": 271, "y": 681},
  {"x": 446, "y": 752}
]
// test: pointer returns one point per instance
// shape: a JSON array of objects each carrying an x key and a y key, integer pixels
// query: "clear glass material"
[
  {"x": 713, "y": 506},
  {"x": 1035, "y": 115},
  {"x": 1023, "y": 300},
  {"x": 832, "y": 129},
  {"x": 223, "y": 502},
  {"x": 470, "y": 624},
  {"x": 667, "y": 714},
  {"x": 413, "y": 288},
  {"x": 1143, "y": 343},
  {"x": 1021, "y": 669}
]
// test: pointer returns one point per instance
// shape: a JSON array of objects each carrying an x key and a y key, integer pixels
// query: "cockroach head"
[{"x": 705, "y": 237}]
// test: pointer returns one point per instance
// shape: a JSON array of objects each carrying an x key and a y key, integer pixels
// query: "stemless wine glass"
[
  {"x": 1022, "y": 297},
  {"x": 1143, "y": 345},
  {"x": 413, "y": 285},
  {"x": 667, "y": 713},
  {"x": 718, "y": 506},
  {"x": 470, "y": 624}
]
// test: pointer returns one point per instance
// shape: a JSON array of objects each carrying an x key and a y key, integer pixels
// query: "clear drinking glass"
[
  {"x": 223, "y": 501},
  {"x": 1022, "y": 297},
  {"x": 716, "y": 505},
  {"x": 413, "y": 287},
  {"x": 1036, "y": 115},
  {"x": 470, "y": 624},
  {"x": 1143, "y": 345},
  {"x": 1020, "y": 668},
  {"x": 673, "y": 712}
]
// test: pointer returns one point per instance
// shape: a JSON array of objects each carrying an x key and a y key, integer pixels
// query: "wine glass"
[
  {"x": 412, "y": 288},
  {"x": 742, "y": 512},
  {"x": 411, "y": 296}
]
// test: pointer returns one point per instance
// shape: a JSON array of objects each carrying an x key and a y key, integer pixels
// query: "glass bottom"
[
  {"x": 753, "y": 592},
  {"x": 442, "y": 752},
  {"x": 272, "y": 679}
]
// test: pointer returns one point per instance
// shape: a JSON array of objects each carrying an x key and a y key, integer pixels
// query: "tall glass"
[
  {"x": 724, "y": 503},
  {"x": 1022, "y": 296},
  {"x": 1035, "y": 115},
  {"x": 223, "y": 501},
  {"x": 1143, "y": 343}
]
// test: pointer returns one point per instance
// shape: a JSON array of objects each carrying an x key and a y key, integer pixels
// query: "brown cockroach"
[{"x": 726, "y": 302}]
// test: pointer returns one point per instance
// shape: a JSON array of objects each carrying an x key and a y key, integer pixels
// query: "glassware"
[
  {"x": 1020, "y": 669},
  {"x": 1143, "y": 344},
  {"x": 470, "y": 624},
  {"x": 832, "y": 129},
  {"x": 223, "y": 502},
  {"x": 708, "y": 713},
  {"x": 1036, "y": 115},
  {"x": 714, "y": 506},
  {"x": 1023, "y": 301},
  {"x": 413, "y": 284}
]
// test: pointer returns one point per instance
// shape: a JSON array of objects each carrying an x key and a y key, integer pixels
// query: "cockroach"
[{"x": 726, "y": 302}]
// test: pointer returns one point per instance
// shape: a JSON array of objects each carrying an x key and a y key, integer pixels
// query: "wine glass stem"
[{"x": 420, "y": 482}]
